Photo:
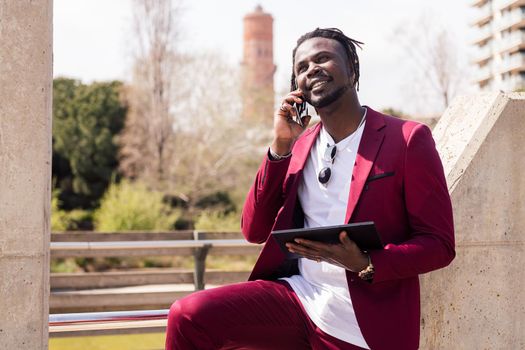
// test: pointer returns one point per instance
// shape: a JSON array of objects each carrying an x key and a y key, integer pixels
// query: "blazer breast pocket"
[{"x": 378, "y": 176}]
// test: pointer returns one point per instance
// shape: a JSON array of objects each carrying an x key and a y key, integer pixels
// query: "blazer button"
[{"x": 351, "y": 280}]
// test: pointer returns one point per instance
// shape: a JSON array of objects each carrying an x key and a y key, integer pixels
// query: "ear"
[{"x": 351, "y": 76}]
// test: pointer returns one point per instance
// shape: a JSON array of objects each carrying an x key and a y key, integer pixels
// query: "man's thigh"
[
  {"x": 319, "y": 340},
  {"x": 251, "y": 315}
]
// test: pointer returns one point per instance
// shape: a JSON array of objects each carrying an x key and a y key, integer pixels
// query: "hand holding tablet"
[{"x": 364, "y": 234}]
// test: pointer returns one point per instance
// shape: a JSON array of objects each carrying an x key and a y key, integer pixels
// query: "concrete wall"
[
  {"x": 25, "y": 171},
  {"x": 479, "y": 301}
]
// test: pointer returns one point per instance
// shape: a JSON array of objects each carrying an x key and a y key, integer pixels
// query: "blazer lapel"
[
  {"x": 272, "y": 258},
  {"x": 369, "y": 146},
  {"x": 302, "y": 149}
]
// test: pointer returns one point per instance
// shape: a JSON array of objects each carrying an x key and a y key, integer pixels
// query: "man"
[{"x": 356, "y": 165}]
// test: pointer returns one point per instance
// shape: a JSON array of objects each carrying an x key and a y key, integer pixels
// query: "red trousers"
[{"x": 256, "y": 315}]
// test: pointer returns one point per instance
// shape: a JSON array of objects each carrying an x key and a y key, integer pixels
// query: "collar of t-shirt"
[{"x": 325, "y": 205}]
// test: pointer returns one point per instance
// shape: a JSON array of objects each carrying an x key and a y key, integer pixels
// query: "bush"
[
  {"x": 61, "y": 265},
  {"x": 131, "y": 206},
  {"x": 218, "y": 221},
  {"x": 58, "y": 217},
  {"x": 62, "y": 220}
]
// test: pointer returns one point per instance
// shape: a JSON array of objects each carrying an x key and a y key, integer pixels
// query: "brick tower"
[{"x": 258, "y": 67}]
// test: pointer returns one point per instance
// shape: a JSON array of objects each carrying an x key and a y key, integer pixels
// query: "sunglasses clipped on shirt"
[
  {"x": 326, "y": 172},
  {"x": 329, "y": 156}
]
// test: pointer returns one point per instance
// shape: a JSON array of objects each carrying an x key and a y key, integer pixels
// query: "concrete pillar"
[
  {"x": 478, "y": 302},
  {"x": 25, "y": 171}
]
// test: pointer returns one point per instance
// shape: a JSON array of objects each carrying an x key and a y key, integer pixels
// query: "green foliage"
[
  {"x": 67, "y": 265},
  {"x": 218, "y": 221},
  {"x": 86, "y": 120},
  {"x": 231, "y": 262},
  {"x": 131, "y": 206},
  {"x": 62, "y": 220},
  {"x": 58, "y": 216},
  {"x": 79, "y": 219},
  {"x": 218, "y": 201}
]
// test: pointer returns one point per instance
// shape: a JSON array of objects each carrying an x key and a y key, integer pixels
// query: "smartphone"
[
  {"x": 297, "y": 117},
  {"x": 299, "y": 108}
]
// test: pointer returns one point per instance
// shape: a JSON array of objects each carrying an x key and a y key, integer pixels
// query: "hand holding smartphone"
[
  {"x": 297, "y": 117},
  {"x": 288, "y": 124},
  {"x": 295, "y": 113}
]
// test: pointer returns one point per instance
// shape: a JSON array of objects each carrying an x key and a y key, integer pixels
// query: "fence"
[{"x": 149, "y": 289}]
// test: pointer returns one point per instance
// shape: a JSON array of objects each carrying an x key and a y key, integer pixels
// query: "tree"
[
  {"x": 216, "y": 150},
  {"x": 436, "y": 75},
  {"x": 207, "y": 163},
  {"x": 183, "y": 134},
  {"x": 149, "y": 127},
  {"x": 86, "y": 122}
]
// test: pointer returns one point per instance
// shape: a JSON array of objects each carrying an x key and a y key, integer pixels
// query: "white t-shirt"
[{"x": 322, "y": 287}]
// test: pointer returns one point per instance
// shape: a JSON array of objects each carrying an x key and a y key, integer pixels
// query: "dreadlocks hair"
[{"x": 348, "y": 44}]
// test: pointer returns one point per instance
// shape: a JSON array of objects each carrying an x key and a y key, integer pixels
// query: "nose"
[{"x": 313, "y": 69}]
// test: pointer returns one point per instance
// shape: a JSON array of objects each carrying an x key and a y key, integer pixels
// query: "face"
[{"x": 322, "y": 71}]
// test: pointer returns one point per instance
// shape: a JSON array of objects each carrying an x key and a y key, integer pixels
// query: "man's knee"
[
  {"x": 176, "y": 315},
  {"x": 186, "y": 311},
  {"x": 180, "y": 315},
  {"x": 187, "y": 328}
]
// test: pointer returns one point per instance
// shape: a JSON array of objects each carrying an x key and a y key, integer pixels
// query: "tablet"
[{"x": 364, "y": 234}]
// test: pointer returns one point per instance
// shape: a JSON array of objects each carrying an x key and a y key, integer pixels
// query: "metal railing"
[
  {"x": 107, "y": 316},
  {"x": 112, "y": 245},
  {"x": 197, "y": 247}
]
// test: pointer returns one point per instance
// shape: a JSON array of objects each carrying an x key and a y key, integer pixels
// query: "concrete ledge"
[{"x": 478, "y": 302}]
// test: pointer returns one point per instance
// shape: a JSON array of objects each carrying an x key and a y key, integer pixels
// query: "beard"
[{"x": 327, "y": 98}]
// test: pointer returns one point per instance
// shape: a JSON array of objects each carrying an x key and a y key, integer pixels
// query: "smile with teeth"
[{"x": 318, "y": 84}]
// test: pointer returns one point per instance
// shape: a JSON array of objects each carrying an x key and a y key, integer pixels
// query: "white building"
[{"x": 500, "y": 44}]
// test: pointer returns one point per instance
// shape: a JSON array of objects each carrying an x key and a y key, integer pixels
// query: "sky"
[{"x": 93, "y": 38}]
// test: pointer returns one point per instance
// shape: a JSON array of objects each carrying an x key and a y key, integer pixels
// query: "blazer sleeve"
[
  {"x": 431, "y": 243},
  {"x": 264, "y": 200}
]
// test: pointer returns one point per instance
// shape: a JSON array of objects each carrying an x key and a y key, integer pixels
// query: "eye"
[
  {"x": 322, "y": 58},
  {"x": 301, "y": 68}
]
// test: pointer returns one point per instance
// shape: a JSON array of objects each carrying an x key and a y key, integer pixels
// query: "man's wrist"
[
  {"x": 367, "y": 274},
  {"x": 275, "y": 156},
  {"x": 281, "y": 147}
]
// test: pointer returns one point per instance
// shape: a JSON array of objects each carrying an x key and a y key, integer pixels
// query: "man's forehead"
[{"x": 312, "y": 46}]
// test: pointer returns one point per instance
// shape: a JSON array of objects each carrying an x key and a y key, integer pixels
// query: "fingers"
[
  {"x": 289, "y": 100},
  {"x": 318, "y": 246},
  {"x": 294, "y": 97},
  {"x": 346, "y": 241},
  {"x": 297, "y": 92},
  {"x": 343, "y": 237},
  {"x": 311, "y": 250},
  {"x": 304, "y": 251},
  {"x": 286, "y": 109},
  {"x": 306, "y": 120}
]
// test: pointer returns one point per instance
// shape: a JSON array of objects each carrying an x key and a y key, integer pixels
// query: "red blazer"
[{"x": 397, "y": 182}]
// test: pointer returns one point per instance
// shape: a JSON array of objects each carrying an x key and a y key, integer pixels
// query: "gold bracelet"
[{"x": 367, "y": 274}]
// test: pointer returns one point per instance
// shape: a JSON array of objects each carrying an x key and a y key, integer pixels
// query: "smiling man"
[{"x": 356, "y": 165}]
